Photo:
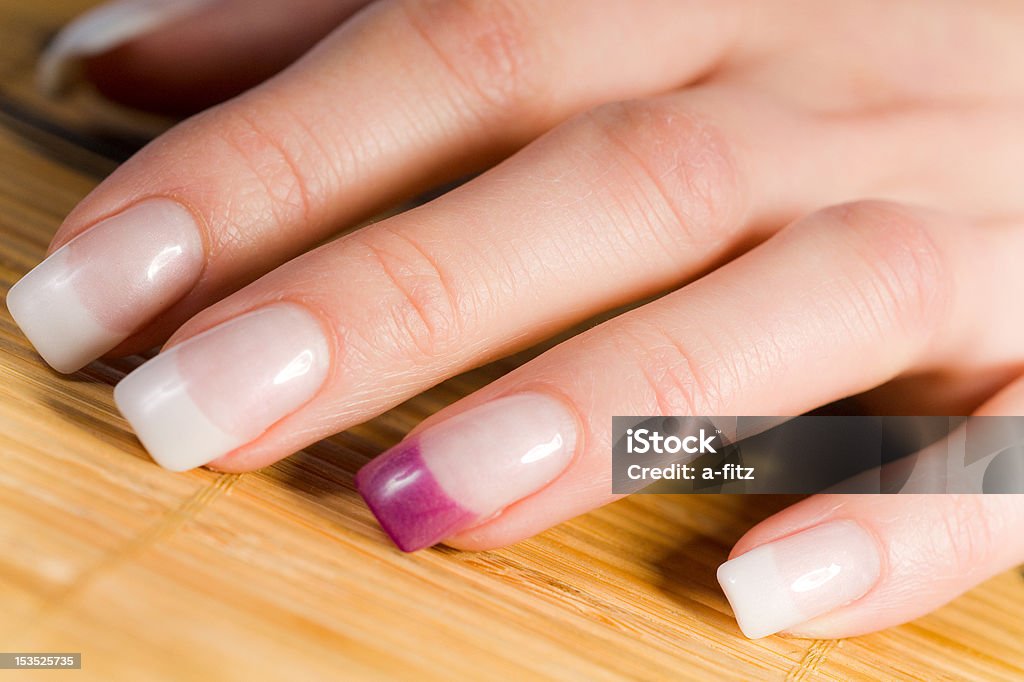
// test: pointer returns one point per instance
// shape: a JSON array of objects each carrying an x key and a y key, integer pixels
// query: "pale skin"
[{"x": 830, "y": 193}]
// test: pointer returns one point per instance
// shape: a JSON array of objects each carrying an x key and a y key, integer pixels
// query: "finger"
[
  {"x": 862, "y": 563},
  {"x": 404, "y": 96},
  {"x": 447, "y": 296},
  {"x": 887, "y": 559},
  {"x": 155, "y": 56},
  {"x": 486, "y": 269},
  {"x": 842, "y": 301}
]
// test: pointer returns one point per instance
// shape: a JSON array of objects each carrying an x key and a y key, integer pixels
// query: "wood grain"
[{"x": 283, "y": 574}]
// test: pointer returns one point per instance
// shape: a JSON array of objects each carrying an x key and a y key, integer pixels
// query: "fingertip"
[
  {"x": 209, "y": 396},
  {"x": 779, "y": 585}
]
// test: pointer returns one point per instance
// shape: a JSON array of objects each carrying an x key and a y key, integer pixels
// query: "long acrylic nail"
[
  {"x": 100, "y": 30},
  {"x": 97, "y": 289},
  {"x": 224, "y": 387},
  {"x": 468, "y": 468},
  {"x": 784, "y": 583}
]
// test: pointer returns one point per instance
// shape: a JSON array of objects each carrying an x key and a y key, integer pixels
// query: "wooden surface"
[{"x": 283, "y": 574}]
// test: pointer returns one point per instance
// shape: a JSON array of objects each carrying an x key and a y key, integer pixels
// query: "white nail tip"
[
  {"x": 49, "y": 312},
  {"x": 173, "y": 429},
  {"x": 760, "y": 611},
  {"x": 785, "y": 583},
  {"x": 96, "y": 290},
  {"x": 226, "y": 386},
  {"x": 102, "y": 29}
]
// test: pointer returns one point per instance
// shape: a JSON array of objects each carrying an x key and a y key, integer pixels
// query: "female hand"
[{"x": 723, "y": 151}]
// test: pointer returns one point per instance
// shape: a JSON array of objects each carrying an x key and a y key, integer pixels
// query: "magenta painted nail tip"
[
  {"x": 468, "y": 468},
  {"x": 408, "y": 502}
]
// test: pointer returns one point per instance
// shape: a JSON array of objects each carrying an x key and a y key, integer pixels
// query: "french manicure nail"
[
  {"x": 224, "y": 387},
  {"x": 102, "y": 29},
  {"x": 466, "y": 469},
  {"x": 784, "y": 583},
  {"x": 100, "y": 287}
]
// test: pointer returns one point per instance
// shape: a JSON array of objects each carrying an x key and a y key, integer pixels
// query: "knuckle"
[
  {"x": 421, "y": 301},
  {"x": 486, "y": 45},
  {"x": 682, "y": 169},
  {"x": 274, "y": 164},
  {"x": 679, "y": 377},
  {"x": 900, "y": 278}
]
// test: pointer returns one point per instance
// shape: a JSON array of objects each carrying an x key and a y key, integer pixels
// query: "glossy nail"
[
  {"x": 224, "y": 387},
  {"x": 108, "y": 282},
  {"x": 466, "y": 469},
  {"x": 784, "y": 583},
  {"x": 100, "y": 30}
]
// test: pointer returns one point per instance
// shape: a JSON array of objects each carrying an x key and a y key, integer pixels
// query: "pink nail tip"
[
  {"x": 409, "y": 504},
  {"x": 468, "y": 468}
]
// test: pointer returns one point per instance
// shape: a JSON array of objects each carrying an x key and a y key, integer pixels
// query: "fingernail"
[
  {"x": 468, "y": 468},
  {"x": 100, "y": 30},
  {"x": 784, "y": 583},
  {"x": 224, "y": 387},
  {"x": 99, "y": 288}
]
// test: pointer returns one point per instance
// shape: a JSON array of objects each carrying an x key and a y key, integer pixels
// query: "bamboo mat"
[{"x": 283, "y": 574}]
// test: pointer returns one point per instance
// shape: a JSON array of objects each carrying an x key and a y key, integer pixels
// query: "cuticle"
[
  {"x": 883, "y": 557},
  {"x": 205, "y": 234},
  {"x": 570, "y": 406},
  {"x": 331, "y": 336}
]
